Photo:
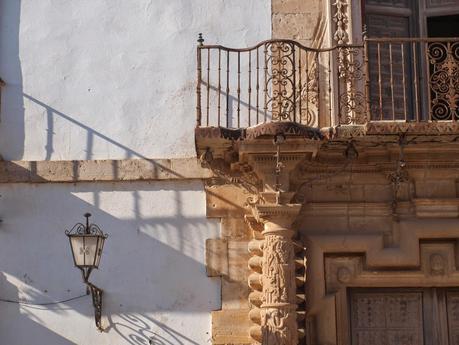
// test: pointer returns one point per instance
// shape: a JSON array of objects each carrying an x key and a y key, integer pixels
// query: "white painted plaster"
[
  {"x": 152, "y": 268},
  {"x": 92, "y": 79}
]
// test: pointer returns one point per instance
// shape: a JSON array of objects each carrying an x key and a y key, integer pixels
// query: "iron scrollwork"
[
  {"x": 280, "y": 62},
  {"x": 96, "y": 295},
  {"x": 352, "y": 107},
  {"x": 89, "y": 229},
  {"x": 292, "y": 84},
  {"x": 444, "y": 80}
]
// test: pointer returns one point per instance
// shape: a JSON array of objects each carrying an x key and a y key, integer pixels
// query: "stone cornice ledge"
[
  {"x": 265, "y": 212},
  {"x": 102, "y": 170}
]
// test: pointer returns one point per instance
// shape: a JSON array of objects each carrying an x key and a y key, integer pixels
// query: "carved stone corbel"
[{"x": 259, "y": 168}]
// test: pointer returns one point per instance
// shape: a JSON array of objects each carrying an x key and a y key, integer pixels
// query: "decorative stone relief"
[
  {"x": 344, "y": 275},
  {"x": 437, "y": 264},
  {"x": 278, "y": 270},
  {"x": 438, "y": 259},
  {"x": 279, "y": 326},
  {"x": 340, "y": 271},
  {"x": 341, "y": 20},
  {"x": 274, "y": 297},
  {"x": 278, "y": 316}
]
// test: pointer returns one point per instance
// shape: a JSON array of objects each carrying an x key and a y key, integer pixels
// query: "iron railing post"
[
  {"x": 199, "y": 80},
  {"x": 366, "y": 53}
]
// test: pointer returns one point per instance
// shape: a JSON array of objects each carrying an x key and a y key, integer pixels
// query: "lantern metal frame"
[{"x": 90, "y": 230}]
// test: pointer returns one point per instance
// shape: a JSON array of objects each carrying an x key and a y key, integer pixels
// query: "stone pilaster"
[{"x": 278, "y": 294}]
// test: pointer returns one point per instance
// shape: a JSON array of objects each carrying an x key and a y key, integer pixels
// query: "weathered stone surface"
[
  {"x": 238, "y": 255},
  {"x": 290, "y": 6},
  {"x": 300, "y": 20},
  {"x": 216, "y": 257},
  {"x": 101, "y": 170},
  {"x": 231, "y": 327},
  {"x": 235, "y": 294},
  {"x": 235, "y": 228},
  {"x": 226, "y": 200},
  {"x": 292, "y": 25}
]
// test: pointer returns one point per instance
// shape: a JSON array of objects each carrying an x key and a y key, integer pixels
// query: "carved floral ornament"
[{"x": 341, "y": 20}]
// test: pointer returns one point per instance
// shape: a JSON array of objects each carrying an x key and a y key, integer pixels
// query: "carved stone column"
[
  {"x": 262, "y": 163},
  {"x": 278, "y": 308}
]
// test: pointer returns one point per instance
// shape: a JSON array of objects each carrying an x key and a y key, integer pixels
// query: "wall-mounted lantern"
[{"x": 87, "y": 241}]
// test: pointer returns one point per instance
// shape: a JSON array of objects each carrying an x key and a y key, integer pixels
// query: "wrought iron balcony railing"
[{"x": 384, "y": 79}]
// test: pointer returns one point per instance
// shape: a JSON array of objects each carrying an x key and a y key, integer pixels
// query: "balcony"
[{"x": 383, "y": 86}]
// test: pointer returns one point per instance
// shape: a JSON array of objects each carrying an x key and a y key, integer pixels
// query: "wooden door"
[
  {"x": 404, "y": 316},
  {"x": 387, "y": 318},
  {"x": 452, "y": 303}
]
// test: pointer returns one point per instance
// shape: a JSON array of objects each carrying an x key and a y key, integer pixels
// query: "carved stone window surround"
[{"x": 437, "y": 269}]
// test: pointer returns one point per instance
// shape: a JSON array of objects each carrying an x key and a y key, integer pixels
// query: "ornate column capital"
[{"x": 276, "y": 213}]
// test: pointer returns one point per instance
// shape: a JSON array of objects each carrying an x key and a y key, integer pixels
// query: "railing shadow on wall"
[
  {"x": 384, "y": 79},
  {"x": 91, "y": 134},
  {"x": 12, "y": 114},
  {"x": 177, "y": 238}
]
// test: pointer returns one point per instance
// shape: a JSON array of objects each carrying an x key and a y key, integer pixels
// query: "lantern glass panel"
[
  {"x": 85, "y": 250},
  {"x": 76, "y": 242},
  {"x": 100, "y": 247},
  {"x": 90, "y": 250}
]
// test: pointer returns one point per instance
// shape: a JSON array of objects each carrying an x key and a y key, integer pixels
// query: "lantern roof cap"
[{"x": 88, "y": 229}]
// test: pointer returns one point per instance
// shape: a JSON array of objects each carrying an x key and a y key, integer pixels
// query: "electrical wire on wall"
[{"x": 5, "y": 300}]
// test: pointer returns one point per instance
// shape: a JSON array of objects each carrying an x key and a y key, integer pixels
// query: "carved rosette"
[{"x": 278, "y": 275}]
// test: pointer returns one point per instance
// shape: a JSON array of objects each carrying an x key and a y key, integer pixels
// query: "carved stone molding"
[
  {"x": 438, "y": 267},
  {"x": 437, "y": 208},
  {"x": 424, "y": 128},
  {"x": 394, "y": 128},
  {"x": 276, "y": 216},
  {"x": 264, "y": 129},
  {"x": 265, "y": 164}
]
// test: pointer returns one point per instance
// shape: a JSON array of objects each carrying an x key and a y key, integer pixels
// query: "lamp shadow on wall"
[
  {"x": 124, "y": 321},
  {"x": 169, "y": 245},
  {"x": 140, "y": 331},
  {"x": 151, "y": 270},
  {"x": 17, "y": 319},
  {"x": 12, "y": 102}
]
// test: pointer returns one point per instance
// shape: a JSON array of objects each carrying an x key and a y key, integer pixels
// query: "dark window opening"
[{"x": 443, "y": 26}]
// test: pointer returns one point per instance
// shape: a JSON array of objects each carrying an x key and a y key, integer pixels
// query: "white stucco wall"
[
  {"x": 95, "y": 79},
  {"x": 152, "y": 269}
]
